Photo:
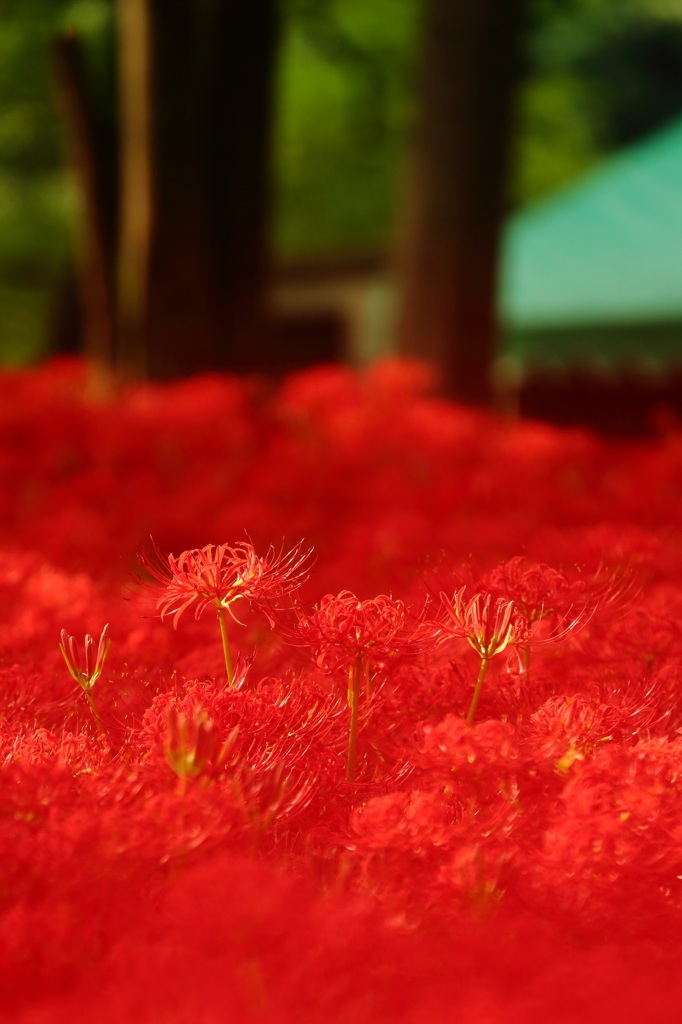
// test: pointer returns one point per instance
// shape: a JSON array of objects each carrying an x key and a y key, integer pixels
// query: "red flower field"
[{"x": 428, "y": 771}]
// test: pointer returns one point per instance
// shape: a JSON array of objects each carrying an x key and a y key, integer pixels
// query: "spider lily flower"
[
  {"x": 219, "y": 576},
  {"x": 193, "y": 745},
  {"x": 345, "y": 632},
  {"x": 536, "y": 589},
  {"x": 543, "y": 594},
  {"x": 86, "y": 672},
  {"x": 548, "y": 602},
  {"x": 274, "y": 793},
  {"x": 342, "y": 627},
  {"x": 488, "y": 623}
]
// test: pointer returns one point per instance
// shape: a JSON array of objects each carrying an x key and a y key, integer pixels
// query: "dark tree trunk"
[
  {"x": 457, "y": 202},
  {"x": 176, "y": 217},
  {"x": 135, "y": 164},
  {"x": 237, "y": 161},
  {"x": 92, "y": 151},
  {"x": 211, "y": 87}
]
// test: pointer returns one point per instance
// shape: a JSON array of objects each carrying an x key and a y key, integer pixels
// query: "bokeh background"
[{"x": 192, "y": 186}]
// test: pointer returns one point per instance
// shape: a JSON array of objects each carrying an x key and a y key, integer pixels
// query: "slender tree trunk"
[
  {"x": 211, "y": 88},
  {"x": 457, "y": 201},
  {"x": 93, "y": 155},
  {"x": 135, "y": 184},
  {"x": 237, "y": 161},
  {"x": 181, "y": 335}
]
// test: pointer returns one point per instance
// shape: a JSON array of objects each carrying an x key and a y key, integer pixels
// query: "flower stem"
[
  {"x": 526, "y": 661},
  {"x": 93, "y": 710},
  {"x": 355, "y": 675},
  {"x": 229, "y": 665},
  {"x": 477, "y": 691}
]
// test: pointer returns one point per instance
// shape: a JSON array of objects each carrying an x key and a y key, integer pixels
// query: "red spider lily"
[
  {"x": 292, "y": 724},
  {"x": 544, "y": 595},
  {"x": 491, "y": 623},
  {"x": 540, "y": 593},
  {"x": 345, "y": 631},
  {"x": 572, "y": 728},
  {"x": 379, "y": 629},
  {"x": 488, "y": 623},
  {"x": 536, "y": 589},
  {"x": 221, "y": 575},
  {"x": 273, "y": 794},
  {"x": 564, "y": 793},
  {"x": 193, "y": 746},
  {"x": 86, "y": 672}
]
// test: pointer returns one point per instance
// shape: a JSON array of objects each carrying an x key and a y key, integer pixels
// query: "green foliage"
[
  {"x": 344, "y": 95},
  {"x": 556, "y": 140},
  {"x": 598, "y": 77},
  {"x": 37, "y": 207}
]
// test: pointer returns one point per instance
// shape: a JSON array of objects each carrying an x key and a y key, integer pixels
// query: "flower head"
[
  {"x": 489, "y": 623},
  {"x": 544, "y": 595},
  {"x": 86, "y": 672},
  {"x": 536, "y": 589},
  {"x": 379, "y": 629},
  {"x": 193, "y": 746},
  {"x": 345, "y": 632},
  {"x": 220, "y": 575}
]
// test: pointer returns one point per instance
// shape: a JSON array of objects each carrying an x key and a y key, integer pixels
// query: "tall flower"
[
  {"x": 87, "y": 671},
  {"x": 360, "y": 636},
  {"x": 488, "y": 623},
  {"x": 193, "y": 747},
  {"x": 221, "y": 575}
]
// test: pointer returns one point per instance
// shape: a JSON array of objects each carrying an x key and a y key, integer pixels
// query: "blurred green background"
[{"x": 597, "y": 77}]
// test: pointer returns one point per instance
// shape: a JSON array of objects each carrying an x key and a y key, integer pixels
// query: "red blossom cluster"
[
  {"x": 373, "y": 817},
  {"x": 220, "y": 575}
]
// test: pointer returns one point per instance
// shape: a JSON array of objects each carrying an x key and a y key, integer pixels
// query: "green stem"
[
  {"x": 93, "y": 710},
  {"x": 477, "y": 690},
  {"x": 354, "y": 678},
  {"x": 229, "y": 665}
]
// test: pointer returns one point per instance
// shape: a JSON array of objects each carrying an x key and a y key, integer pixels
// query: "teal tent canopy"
[{"x": 594, "y": 273}]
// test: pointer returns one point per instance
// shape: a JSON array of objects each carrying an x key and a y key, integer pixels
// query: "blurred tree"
[
  {"x": 92, "y": 145},
  {"x": 210, "y": 112},
  {"x": 576, "y": 73},
  {"x": 457, "y": 202},
  {"x": 345, "y": 97},
  {"x": 34, "y": 203},
  {"x": 177, "y": 284}
]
